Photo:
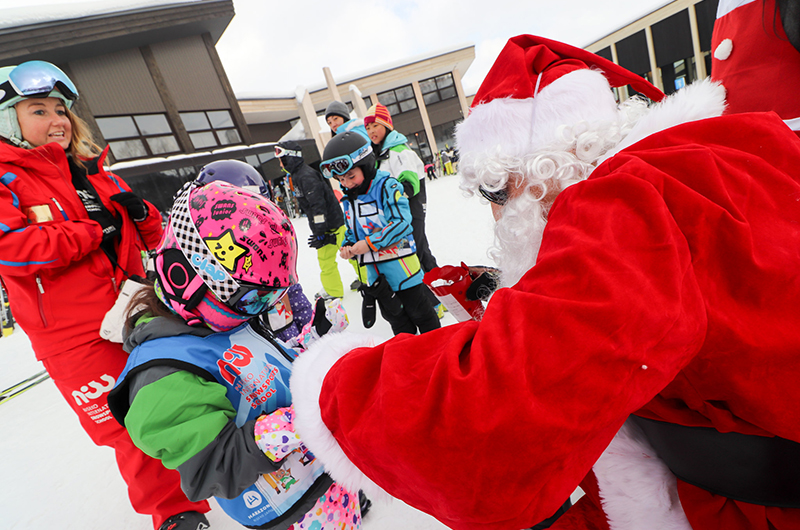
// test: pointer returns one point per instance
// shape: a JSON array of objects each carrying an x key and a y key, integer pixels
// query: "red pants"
[{"x": 84, "y": 377}]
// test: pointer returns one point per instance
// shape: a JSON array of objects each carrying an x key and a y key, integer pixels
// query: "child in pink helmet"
[{"x": 206, "y": 387}]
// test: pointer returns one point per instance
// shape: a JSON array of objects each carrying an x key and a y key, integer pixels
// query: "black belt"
[{"x": 754, "y": 469}]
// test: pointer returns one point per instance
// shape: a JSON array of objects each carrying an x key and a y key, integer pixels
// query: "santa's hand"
[
  {"x": 485, "y": 281},
  {"x": 274, "y": 434}
]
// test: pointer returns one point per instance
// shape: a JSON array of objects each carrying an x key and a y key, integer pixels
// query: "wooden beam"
[
  {"x": 173, "y": 116},
  {"x": 238, "y": 116}
]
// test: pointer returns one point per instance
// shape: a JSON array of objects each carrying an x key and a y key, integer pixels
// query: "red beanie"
[{"x": 379, "y": 114}]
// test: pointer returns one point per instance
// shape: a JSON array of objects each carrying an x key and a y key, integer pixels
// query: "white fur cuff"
[{"x": 308, "y": 374}]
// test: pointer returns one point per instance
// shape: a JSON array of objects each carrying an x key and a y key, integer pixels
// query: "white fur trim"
[
  {"x": 308, "y": 374},
  {"x": 637, "y": 489},
  {"x": 700, "y": 100},
  {"x": 723, "y": 50},
  {"x": 518, "y": 127},
  {"x": 793, "y": 124}
]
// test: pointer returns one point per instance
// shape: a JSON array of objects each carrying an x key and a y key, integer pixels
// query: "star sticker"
[{"x": 226, "y": 249}]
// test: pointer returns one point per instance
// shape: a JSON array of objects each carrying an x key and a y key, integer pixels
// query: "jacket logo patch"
[{"x": 39, "y": 214}]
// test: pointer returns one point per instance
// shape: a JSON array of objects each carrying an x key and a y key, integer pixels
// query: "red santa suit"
[{"x": 665, "y": 286}]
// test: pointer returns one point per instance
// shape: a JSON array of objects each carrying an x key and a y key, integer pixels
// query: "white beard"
[{"x": 518, "y": 236}]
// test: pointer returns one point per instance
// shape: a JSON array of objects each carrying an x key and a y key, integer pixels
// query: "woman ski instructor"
[{"x": 70, "y": 234}]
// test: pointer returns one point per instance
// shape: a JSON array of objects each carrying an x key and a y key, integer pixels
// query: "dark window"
[
  {"x": 706, "y": 15},
  {"x": 438, "y": 88},
  {"x": 399, "y": 100},
  {"x": 445, "y": 133},
  {"x": 211, "y": 128},
  {"x": 605, "y": 53},
  {"x": 418, "y": 141},
  {"x": 138, "y": 136},
  {"x": 632, "y": 53},
  {"x": 678, "y": 74},
  {"x": 672, "y": 39}
]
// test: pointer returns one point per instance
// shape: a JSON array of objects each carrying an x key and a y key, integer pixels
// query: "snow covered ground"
[{"x": 54, "y": 477}]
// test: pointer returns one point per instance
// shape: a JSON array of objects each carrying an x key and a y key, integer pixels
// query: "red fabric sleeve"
[
  {"x": 492, "y": 425},
  {"x": 25, "y": 249}
]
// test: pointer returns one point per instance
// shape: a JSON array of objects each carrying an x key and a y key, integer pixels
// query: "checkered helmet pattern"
[{"x": 230, "y": 235}]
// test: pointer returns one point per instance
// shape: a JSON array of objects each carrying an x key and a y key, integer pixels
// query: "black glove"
[
  {"x": 321, "y": 322},
  {"x": 484, "y": 285},
  {"x": 321, "y": 240},
  {"x": 382, "y": 292},
  {"x": 137, "y": 209}
]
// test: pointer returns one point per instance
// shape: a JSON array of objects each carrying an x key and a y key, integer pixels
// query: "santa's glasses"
[{"x": 499, "y": 197}]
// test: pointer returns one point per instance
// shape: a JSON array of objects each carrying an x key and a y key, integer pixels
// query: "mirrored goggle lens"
[
  {"x": 36, "y": 78},
  {"x": 256, "y": 301},
  {"x": 498, "y": 197},
  {"x": 336, "y": 166}
]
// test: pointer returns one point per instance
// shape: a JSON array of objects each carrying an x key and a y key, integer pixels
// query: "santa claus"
[{"x": 647, "y": 345}]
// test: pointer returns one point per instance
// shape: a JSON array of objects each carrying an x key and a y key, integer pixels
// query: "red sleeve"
[
  {"x": 492, "y": 425},
  {"x": 25, "y": 249}
]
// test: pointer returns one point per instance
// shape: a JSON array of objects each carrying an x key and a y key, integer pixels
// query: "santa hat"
[
  {"x": 535, "y": 86},
  {"x": 379, "y": 114}
]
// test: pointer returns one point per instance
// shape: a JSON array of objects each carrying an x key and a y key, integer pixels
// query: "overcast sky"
[{"x": 271, "y": 47}]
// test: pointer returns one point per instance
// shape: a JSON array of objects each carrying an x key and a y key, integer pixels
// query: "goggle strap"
[{"x": 8, "y": 92}]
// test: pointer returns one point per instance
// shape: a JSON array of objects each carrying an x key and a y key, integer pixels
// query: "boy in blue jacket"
[{"x": 379, "y": 234}]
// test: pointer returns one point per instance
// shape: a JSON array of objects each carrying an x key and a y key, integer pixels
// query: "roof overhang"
[
  {"x": 59, "y": 41},
  {"x": 278, "y": 109}
]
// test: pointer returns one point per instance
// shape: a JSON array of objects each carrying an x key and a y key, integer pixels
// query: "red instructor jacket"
[{"x": 59, "y": 282}]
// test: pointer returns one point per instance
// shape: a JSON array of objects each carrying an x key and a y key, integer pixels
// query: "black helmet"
[
  {"x": 234, "y": 172},
  {"x": 345, "y": 151}
]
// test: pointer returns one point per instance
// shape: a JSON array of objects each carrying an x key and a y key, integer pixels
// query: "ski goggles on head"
[
  {"x": 280, "y": 152},
  {"x": 342, "y": 164},
  {"x": 499, "y": 197},
  {"x": 251, "y": 300},
  {"x": 37, "y": 79}
]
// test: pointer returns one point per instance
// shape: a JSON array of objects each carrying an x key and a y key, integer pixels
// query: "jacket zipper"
[
  {"x": 60, "y": 209},
  {"x": 40, "y": 299}
]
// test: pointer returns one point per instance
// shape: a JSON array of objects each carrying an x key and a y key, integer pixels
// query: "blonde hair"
[{"x": 82, "y": 147}]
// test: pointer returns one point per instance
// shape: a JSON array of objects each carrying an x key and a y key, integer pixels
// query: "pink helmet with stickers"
[{"x": 227, "y": 255}]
